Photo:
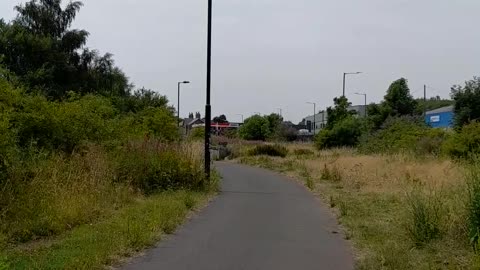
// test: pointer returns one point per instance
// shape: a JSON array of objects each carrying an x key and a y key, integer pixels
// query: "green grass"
[{"x": 93, "y": 246}]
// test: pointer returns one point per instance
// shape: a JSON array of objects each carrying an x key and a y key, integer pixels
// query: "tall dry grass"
[{"x": 54, "y": 193}]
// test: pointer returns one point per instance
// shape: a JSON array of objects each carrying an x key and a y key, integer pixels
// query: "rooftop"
[{"x": 441, "y": 110}]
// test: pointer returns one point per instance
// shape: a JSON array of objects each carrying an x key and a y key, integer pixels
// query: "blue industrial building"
[{"x": 440, "y": 118}]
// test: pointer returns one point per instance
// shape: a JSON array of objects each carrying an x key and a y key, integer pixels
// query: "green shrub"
[
  {"x": 345, "y": 133},
  {"x": 431, "y": 141},
  {"x": 4, "y": 265},
  {"x": 402, "y": 134},
  {"x": 303, "y": 152},
  {"x": 255, "y": 128},
  {"x": 269, "y": 150},
  {"x": 85, "y": 120},
  {"x": 197, "y": 134},
  {"x": 160, "y": 123},
  {"x": 465, "y": 143},
  {"x": 64, "y": 125},
  {"x": 424, "y": 217}
]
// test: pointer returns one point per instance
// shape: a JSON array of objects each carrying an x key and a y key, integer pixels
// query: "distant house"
[
  {"x": 440, "y": 118},
  {"x": 189, "y": 123}
]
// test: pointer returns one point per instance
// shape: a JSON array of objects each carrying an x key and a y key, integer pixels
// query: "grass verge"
[{"x": 92, "y": 246}]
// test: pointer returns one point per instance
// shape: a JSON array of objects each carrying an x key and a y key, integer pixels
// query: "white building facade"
[{"x": 321, "y": 118}]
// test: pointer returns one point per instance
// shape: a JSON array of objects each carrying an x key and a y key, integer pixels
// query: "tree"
[
  {"x": 398, "y": 100},
  {"x": 377, "y": 114},
  {"x": 140, "y": 100},
  {"x": 343, "y": 128},
  {"x": 222, "y": 119},
  {"x": 467, "y": 102},
  {"x": 41, "y": 49},
  {"x": 338, "y": 112},
  {"x": 286, "y": 132},
  {"x": 274, "y": 122},
  {"x": 255, "y": 128}
]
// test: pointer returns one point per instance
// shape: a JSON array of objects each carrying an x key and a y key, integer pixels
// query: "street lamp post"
[
  {"x": 314, "y": 116},
  {"x": 344, "y": 78},
  {"x": 208, "y": 108},
  {"x": 365, "y": 95},
  {"x": 178, "y": 108}
]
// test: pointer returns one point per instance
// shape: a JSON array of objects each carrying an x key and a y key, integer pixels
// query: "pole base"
[{"x": 208, "y": 124}]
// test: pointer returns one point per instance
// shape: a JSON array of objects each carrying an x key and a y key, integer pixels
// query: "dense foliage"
[
  {"x": 404, "y": 134},
  {"x": 345, "y": 133},
  {"x": 467, "y": 102},
  {"x": 76, "y": 142},
  {"x": 47, "y": 56},
  {"x": 398, "y": 100},
  {"x": 464, "y": 143},
  {"x": 339, "y": 112},
  {"x": 255, "y": 128},
  {"x": 394, "y": 125},
  {"x": 268, "y": 127}
]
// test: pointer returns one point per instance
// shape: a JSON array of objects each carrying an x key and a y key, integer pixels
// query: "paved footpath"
[{"x": 259, "y": 221}]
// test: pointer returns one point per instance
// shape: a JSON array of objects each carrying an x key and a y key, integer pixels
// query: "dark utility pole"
[
  {"x": 178, "y": 108},
  {"x": 208, "y": 108}
]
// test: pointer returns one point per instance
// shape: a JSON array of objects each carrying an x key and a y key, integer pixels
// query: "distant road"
[{"x": 260, "y": 220}]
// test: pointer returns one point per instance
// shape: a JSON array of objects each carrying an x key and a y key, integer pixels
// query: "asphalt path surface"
[{"x": 260, "y": 220}]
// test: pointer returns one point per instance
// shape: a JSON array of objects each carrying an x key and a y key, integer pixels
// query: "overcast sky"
[{"x": 270, "y": 54}]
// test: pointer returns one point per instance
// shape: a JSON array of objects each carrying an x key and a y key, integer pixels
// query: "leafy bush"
[
  {"x": 303, "y": 152},
  {"x": 467, "y": 102},
  {"x": 269, "y": 150},
  {"x": 405, "y": 134},
  {"x": 159, "y": 123},
  {"x": 431, "y": 141},
  {"x": 464, "y": 143},
  {"x": 197, "y": 134},
  {"x": 255, "y": 128},
  {"x": 347, "y": 132},
  {"x": 424, "y": 217}
]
